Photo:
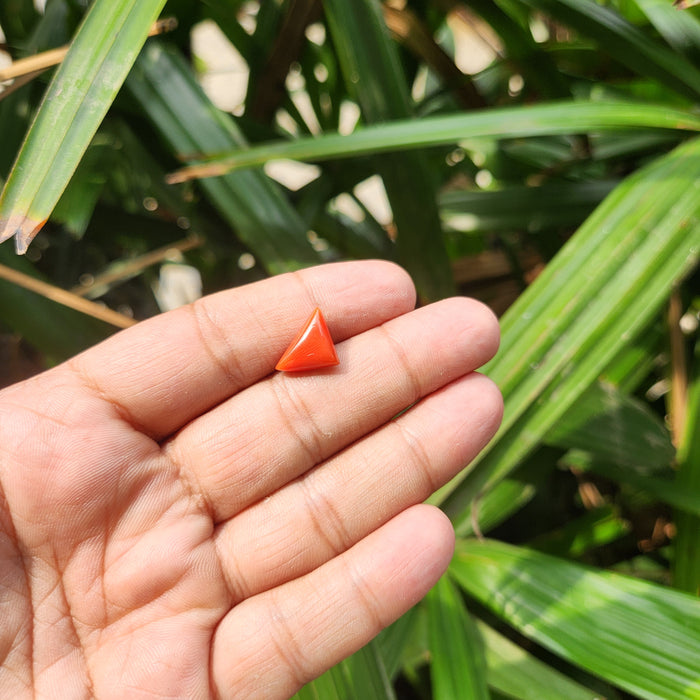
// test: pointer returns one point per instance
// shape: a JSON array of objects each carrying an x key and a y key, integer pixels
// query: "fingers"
[
  {"x": 324, "y": 513},
  {"x": 273, "y": 432},
  {"x": 169, "y": 369},
  {"x": 272, "y": 644}
]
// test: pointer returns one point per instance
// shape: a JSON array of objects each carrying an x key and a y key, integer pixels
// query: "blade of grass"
[
  {"x": 78, "y": 200},
  {"x": 596, "y": 295},
  {"x": 635, "y": 362},
  {"x": 84, "y": 87},
  {"x": 365, "y": 674},
  {"x": 250, "y": 202},
  {"x": 637, "y": 635},
  {"x": 499, "y": 123}
]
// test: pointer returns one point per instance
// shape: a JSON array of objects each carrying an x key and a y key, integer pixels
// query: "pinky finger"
[{"x": 272, "y": 644}]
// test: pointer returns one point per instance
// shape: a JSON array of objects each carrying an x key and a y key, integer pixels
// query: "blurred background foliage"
[{"x": 539, "y": 155}]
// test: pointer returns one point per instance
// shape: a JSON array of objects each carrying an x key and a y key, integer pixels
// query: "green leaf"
[
  {"x": 75, "y": 103},
  {"x": 680, "y": 29},
  {"x": 615, "y": 428},
  {"x": 249, "y": 201},
  {"x": 594, "y": 528},
  {"x": 625, "y": 42},
  {"x": 515, "y": 673},
  {"x": 372, "y": 69},
  {"x": 458, "y": 667},
  {"x": 568, "y": 117},
  {"x": 520, "y": 207},
  {"x": 666, "y": 490},
  {"x": 77, "y": 203},
  {"x": 530, "y": 59},
  {"x": 397, "y": 641},
  {"x": 637, "y": 635},
  {"x": 323, "y": 688},
  {"x": 597, "y": 294},
  {"x": 16, "y": 18},
  {"x": 635, "y": 361},
  {"x": 497, "y": 504},
  {"x": 55, "y": 330},
  {"x": 360, "y": 677},
  {"x": 686, "y": 564}
]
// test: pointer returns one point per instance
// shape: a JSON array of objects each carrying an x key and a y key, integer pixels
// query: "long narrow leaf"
[
  {"x": 515, "y": 673},
  {"x": 666, "y": 490},
  {"x": 394, "y": 642},
  {"x": 75, "y": 103},
  {"x": 680, "y": 29},
  {"x": 57, "y": 331},
  {"x": 252, "y": 203},
  {"x": 628, "y": 44},
  {"x": 595, "y": 528},
  {"x": 565, "y": 329},
  {"x": 373, "y": 72},
  {"x": 458, "y": 667},
  {"x": 616, "y": 428},
  {"x": 522, "y": 208},
  {"x": 637, "y": 635},
  {"x": 502, "y": 123},
  {"x": 361, "y": 676},
  {"x": 530, "y": 59},
  {"x": 686, "y": 565}
]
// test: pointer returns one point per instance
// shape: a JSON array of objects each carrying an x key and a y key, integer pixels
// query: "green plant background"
[{"x": 559, "y": 183}]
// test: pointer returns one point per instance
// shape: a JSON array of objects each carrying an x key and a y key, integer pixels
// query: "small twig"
[
  {"x": 678, "y": 402},
  {"x": 474, "y": 518},
  {"x": 411, "y": 32},
  {"x": 61, "y": 296},
  {"x": 17, "y": 83},
  {"x": 136, "y": 265},
  {"x": 40, "y": 62}
]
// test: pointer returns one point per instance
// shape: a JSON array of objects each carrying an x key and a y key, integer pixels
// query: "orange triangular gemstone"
[{"x": 312, "y": 349}]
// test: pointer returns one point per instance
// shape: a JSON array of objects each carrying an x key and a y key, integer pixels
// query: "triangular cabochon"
[{"x": 312, "y": 349}]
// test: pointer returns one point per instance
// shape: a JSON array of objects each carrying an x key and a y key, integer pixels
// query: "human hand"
[{"x": 176, "y": 520}]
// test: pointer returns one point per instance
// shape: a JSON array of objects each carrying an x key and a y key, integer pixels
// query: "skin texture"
[{"x": 177, "y": 520}]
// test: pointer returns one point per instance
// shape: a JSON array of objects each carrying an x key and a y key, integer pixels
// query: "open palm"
[{"x": 176, "y": 520}]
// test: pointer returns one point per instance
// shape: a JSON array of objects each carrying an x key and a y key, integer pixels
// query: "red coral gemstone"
[{"x": 312, "y": 349}]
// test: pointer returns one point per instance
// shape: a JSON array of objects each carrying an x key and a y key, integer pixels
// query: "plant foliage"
[{"x": 557, "y": 180}]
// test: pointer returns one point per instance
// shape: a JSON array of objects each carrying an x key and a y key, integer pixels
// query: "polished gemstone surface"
[{"x": 312, "y": 348}]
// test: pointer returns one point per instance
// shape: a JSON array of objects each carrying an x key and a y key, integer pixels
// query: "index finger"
[{"x": 162, "y": 373}]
